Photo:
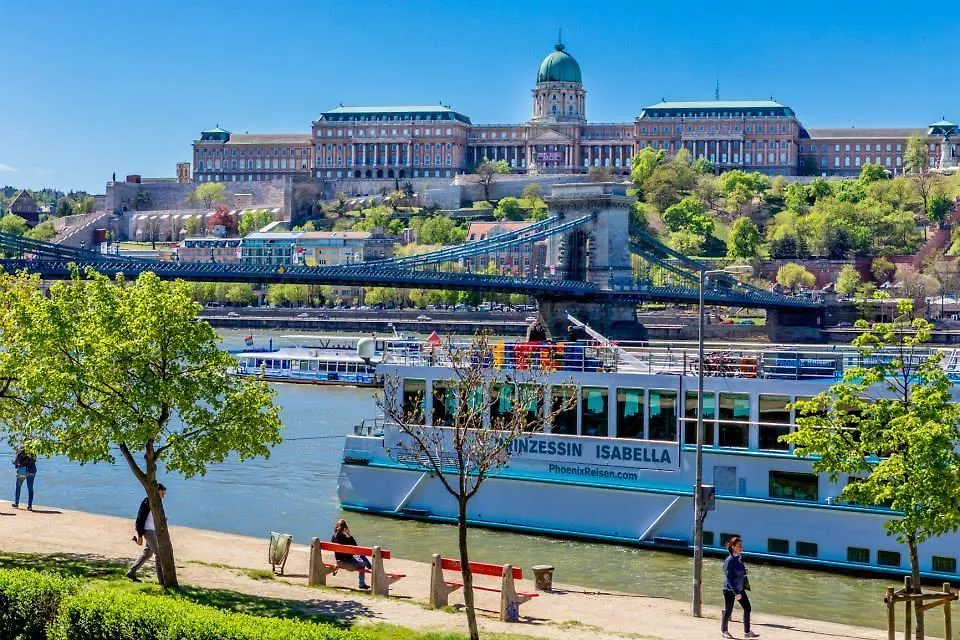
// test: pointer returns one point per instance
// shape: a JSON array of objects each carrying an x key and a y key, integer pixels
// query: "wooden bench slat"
[
  {"x": 480, "y": 568},
  {"x": 352, "y": 550}
]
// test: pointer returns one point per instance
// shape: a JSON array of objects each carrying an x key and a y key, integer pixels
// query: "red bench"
[
  {"x": 380, "y": 580},
  {"x": 510, "y": 598}
]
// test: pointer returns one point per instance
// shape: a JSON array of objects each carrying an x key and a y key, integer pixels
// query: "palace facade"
[{"x": 435, "y": 141}]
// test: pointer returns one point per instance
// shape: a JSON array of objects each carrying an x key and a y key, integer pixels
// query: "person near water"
[
  {"x": 26, "y": 466},
  {"x": 146, "y": 532},
  {"x": 360, "y": 564},
  {"x": 735, "y": 588}
]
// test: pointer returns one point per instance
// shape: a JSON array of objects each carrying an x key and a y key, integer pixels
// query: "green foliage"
[
  {"x": 938, "y": 207},
  {"x": 744, "y": 241},
  {"x": 381, "y": 295},
  {"x": 45, "y": 231},
  {"x": 284, "y": 295},
  {"x": 13, "y": 224},
  {"x": 755, "y": 183},
  {"x": 64, "y": 207},
  {"x": 29, "y": 601},
  {"x": 892, "y": 424},
  {"x": 487, "y": 173},
  {"x": 481, "y": 204},
  {"x": 688, "y": 215},
  {"x": 373, "y": 219},
  {"x": 915, "y": 154},
  {"x": 531, "y": 191},
  {"x": 848, "y": 280},
  {"x": 509, "y": 209},
  {"x": 440, "y": 230},
  {"x": 253, "y": 221},
  {"x": 870, "y": 173},
  {"x": 795, "y": 197},
  {"x": 192, "y": 225},
  {"x": 210, "y": 192},
  {"x": 643, "y": 164},
  {"x": 703, "y": 167},
  {"x": 882, "y": 269},
  {"x": 599, "y": 174},
  {"x": 793, "y": 275},
  {"x": 687, "y": 242},
  {"x": 102, "y": 367},
  {"x": 93, "y": 615},
  {"x": 817, "y": 189},
  {"x": 240, "y": 293},
  {"x": 638, "y": 218}
]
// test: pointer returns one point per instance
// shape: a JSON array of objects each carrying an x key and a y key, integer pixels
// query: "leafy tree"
[
  {"x": 638, "y": 218},
  {"x": 917, "y": 166},
  {"x": 848, "y": 280},
  {"x": 252, "y": 221},
  {"x": 688, "y": 215},
  {"x": 893, "y": 426},
  {"x": 643, "y": 164},
  {"x": 792, "y": 275},
  {"x": 599, "y": 174},
  {"x": 192, "y": 226},
  {"x": 440, "y": 230},
  {"x": 531, "y": 192},
  {"x": 882, "y": 269},
  {"x": 13, "y": 224},
  {"x": 508, "y": 209},
  {"x": 209, "y": 193},
  {"x": 84, "y": 204},
  {"x": 45, "y": 231},
  {"x": 870, "y": 173},
  {"x": 817, "y": 189},
  {"x": 795, "y": 197},
  {"x": 463, "y": 455},
  {"x": 744, "y": 241},
  {"x": 64, "y": 207},
  {"x": 481, "y": 204},
  {"x": 738, "y": 197},
  {"x": 100, "y": 367},
  {"x": 240, "y": 293},
  {"x": 487, "y": 173},
  {"x": 687, "y": 242},
  {"x": 703, "y": 167},
  {"x": 142, "y": 200},
  {"x": 708, "y": 192},
  {"x": 223, "y": 218},
  {"x": 939, "y": 207},
  {"x": 381, "y": 295},
  {"x": 756, "y": 183},
  {"x": 850, "y": 191},
  {"x": 785, "y": 246}
]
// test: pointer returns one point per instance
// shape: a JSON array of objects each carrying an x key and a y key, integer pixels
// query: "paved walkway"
[{"x": 569, "y": 612}]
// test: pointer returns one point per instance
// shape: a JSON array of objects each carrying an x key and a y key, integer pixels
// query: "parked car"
[
  {"x": 530, "y": 319},
  {"x": 424, "y": 317},
  {"x": 233, "y": 314},
  {"x": 303, "y": 315}
]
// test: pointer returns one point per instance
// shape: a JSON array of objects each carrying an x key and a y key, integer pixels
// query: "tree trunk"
[
  {"x": 465, "y": 572},
  {"x": 166, "y": 565},
  {"x": 915, "y": 579}
]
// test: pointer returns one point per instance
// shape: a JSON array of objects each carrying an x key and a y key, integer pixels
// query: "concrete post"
[{"x": 379, "y": 583}]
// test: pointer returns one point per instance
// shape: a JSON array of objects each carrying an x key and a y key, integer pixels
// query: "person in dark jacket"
[
  {"x": 26, "y": 465},
  {"x": 735, "y": 588},
  {"x": 341, "y": 535},
  {"x": 146, "y": 532}
]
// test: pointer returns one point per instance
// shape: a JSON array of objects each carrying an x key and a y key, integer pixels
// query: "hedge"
[
  {"x": 139, "y": 616},
  {"x": 29, "y": 600}
]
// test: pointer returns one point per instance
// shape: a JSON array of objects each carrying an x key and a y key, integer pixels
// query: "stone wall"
[{"x": 167, "y": 196}]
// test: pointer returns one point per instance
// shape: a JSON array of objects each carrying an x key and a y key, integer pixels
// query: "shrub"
[
  {"x": 29, "y": 600},
  {"x": 139, "y": 616}
]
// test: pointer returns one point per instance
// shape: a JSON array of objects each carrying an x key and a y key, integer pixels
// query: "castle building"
[{"x": 434, "y": 141}]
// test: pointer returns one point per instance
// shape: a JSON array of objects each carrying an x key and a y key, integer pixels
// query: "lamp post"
[{"x": 698, "y": 502}]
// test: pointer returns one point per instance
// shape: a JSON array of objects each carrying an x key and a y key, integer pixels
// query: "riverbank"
[{"x": 237, "y": 563}]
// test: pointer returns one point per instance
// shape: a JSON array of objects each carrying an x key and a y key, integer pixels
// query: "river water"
[{"x": 295, "y": 491}]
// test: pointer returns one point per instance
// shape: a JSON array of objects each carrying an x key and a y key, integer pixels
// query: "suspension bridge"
[{"x": 597, "y": 268}]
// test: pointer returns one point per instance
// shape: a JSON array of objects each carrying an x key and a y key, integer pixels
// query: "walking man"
[{"x": 146, "y": 532}]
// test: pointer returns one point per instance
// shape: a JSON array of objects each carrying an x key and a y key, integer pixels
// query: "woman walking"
[
  {"x": 360, "y": 564},
  {"x": 26, "y": 465},
  {"x": 735, "y": 588}
]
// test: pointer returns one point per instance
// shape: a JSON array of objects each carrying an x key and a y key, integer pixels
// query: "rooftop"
[
  {"x": 740, "y": 107},
  {"x": 853, "y": 132},
  {"x": 393, "y": 112},
  {"x": 335, "y": 235},
  {"x": 270, "y": 138}
]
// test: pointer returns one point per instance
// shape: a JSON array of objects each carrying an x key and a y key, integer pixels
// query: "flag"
[
  {"x": 433, "y": 340},
  {"x": 248, "y": 341}
]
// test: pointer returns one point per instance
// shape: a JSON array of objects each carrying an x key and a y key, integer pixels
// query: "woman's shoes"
[
  {"x": 751, "y": 634},
  {"x": 726, "y": 634}
]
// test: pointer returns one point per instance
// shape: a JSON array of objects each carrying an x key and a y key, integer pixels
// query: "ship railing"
[
  {"x": 370, "y": 427},
  {"x": 581, "y": 356}
]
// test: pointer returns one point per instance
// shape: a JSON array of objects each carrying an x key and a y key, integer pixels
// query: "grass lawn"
[{"x": 106, "y": 575}]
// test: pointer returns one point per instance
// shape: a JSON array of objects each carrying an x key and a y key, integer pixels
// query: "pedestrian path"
[{"x": 216, "y": 560}]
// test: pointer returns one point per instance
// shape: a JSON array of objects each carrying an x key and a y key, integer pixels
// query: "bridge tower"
[{"x": 598, "y": 252}]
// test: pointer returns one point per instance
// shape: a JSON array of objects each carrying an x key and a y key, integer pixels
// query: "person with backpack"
[{"x": 26, "y": 466}]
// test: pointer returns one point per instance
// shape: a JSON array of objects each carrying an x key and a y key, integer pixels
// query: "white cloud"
[{"x": 6, "y": 168}]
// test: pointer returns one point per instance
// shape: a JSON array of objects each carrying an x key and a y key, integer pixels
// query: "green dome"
[{"x": 559, "y": 66}]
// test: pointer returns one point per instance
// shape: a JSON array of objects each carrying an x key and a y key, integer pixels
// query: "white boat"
[
  {"x": 321, "y": 359},
  {"x": 620, "y": 466}
]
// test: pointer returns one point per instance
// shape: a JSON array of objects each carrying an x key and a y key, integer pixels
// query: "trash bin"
[{"x": 543, "y": 577}]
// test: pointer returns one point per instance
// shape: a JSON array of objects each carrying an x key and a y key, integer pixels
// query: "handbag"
[
  {"x": 746, "y": 583},
  {"x": 22, "y": 471}
]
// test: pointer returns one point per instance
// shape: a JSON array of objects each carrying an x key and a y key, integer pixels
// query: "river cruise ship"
[
  {"x": 321, "y": 359},
  {"x": 619, "y": 466}
]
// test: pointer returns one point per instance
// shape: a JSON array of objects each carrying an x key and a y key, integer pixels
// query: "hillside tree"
[{"x": 488, "y": 172}]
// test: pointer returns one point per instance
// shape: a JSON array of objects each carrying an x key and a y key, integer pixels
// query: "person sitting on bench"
[{"x": 341, "y": 535}]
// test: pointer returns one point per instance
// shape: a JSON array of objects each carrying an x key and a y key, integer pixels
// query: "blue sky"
[{"x": 102, "y": 86}]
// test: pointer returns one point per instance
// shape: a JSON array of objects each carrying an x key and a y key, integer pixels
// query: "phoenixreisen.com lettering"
[{"x": 603, "y": 451}]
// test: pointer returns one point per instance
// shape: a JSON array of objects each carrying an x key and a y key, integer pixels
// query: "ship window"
[
  {"x": 284, "y": 364},
  {"x": 565, "y": 421},
  {"x": 777, "y": 545},
  {"x": 532, "y": 398},
  {"x": 793, "y": 486},
  {"x": 444, "y": 403},
  {"x": 725, "y": 537},
  {"x": 858, "y": 554},
  {"x": 314, "y": 365},
  {"x": 501, "y": 405},
  {"x": 807, "y": 549},
  {"x": 414, "y": 400},
  {"x": 734, "y": 413},
  {"x": 593, "y": 403},
  {"x": 629, "y": 413},
  {"x": 774, "y": 412},
  {"x": 690, "y": 421},
  {"x": 708, "y": 538},
  {"x": 304, "y": 365},
  {"x": 888, "y": 558},
  {"x": 944, "y": 564},
  {"x": 663, "y": 415}
]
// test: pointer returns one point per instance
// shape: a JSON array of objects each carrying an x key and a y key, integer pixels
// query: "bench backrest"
[
  {"x": 481, "y": 568},
  {"x": 352, "y": 550}
]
